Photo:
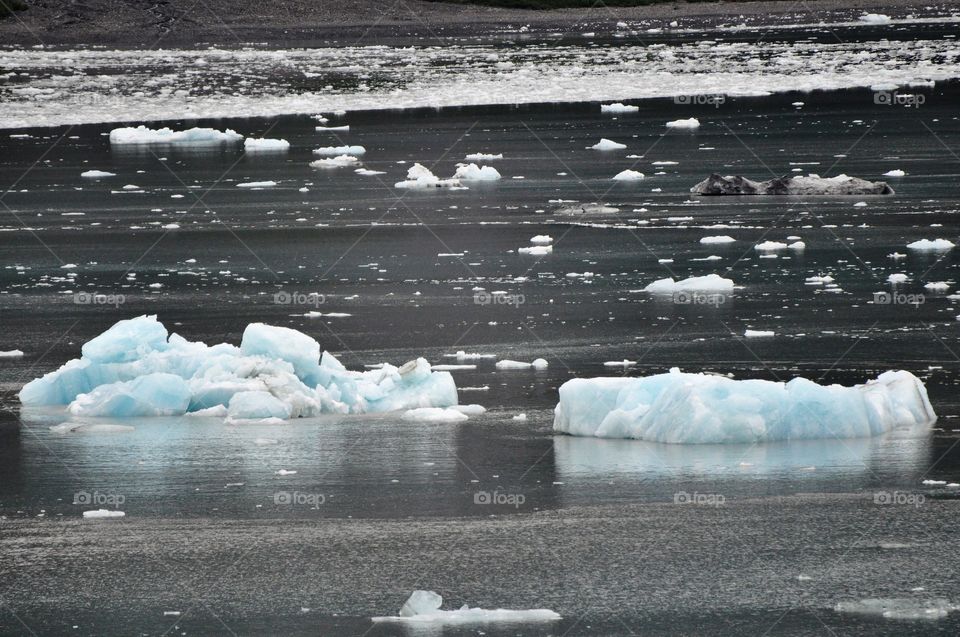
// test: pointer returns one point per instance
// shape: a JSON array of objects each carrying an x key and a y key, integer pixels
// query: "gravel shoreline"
[{"x": 184, "y": 23}]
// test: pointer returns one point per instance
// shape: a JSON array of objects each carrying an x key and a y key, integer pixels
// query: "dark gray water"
[{"x": 379, "y": 507}]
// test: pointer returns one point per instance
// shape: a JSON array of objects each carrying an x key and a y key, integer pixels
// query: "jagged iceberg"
[
  {"x": 791, "y": 185},
  {"x": 424, "y": 607},
  {"x": 136, "y": 368},
  {"x": 679, "y": 407}
]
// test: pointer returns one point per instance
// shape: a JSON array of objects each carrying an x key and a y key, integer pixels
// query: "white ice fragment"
[
  {"x": 875, "y": 18},
  {"x": 937, "y": 245},
  {"x": 103, "y": 513},
  {"x": 11, "y": 353},
  {"x": 421, "y": 177},
  {"x": 252, "y": 145},
  {"x": 144, "y": 135},
  {"x": 692, "y": 122},
  {"x": 341, "y": 161},
  {"x": 434, "y": 414},
  {"x": 709, "y": 283},
  {"x": 333, "y": 151},
  {"x": 423, "y": 607},
  {"x": 894, "y": 173},
  {"x": 758, "y": 333},
  {"x": 472, "y": 172},
  {"x": 256, "y": 184},
  {"x": 717, "y": 239},
  {"x": 608, "y": 144},
  {"x": 538, "y": 363},
  {"x": 483, "y": 157},
  {"x": 618, "y": 107},
  {"x": 96, "y": 174},
  {"x": 629, "y": 175},
  {"x": 541, "y": 239},
  {"x": 537, "y": 251}
]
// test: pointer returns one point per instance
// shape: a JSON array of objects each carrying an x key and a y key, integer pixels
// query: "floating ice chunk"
[
  {"x": 899, "y": 608},
  {"x": 937, "y": 286},
  {"x": 841, "y": 185},
  {"x": 894, "y": 173},
  {"x": 519, "y": 417},
  {"x": 624, "y": 363},
  {"x": 333, "y": 151},
  {"x": 608, "y": 144},
  {"x": 875, "y": 18},
  {"x": 469, "y": 356},
  {"x": 97, "y": 174},
  {"x": 149, "y": 395},
  {"x": 937, "y": 245},
  {"x": 366, "y": 172},
  {"x": 423, "y": 607},
  {"x": 536, "y": 251},
  {"x": 702, "y": 408},
  {"x": 897, "y": 277},
  {"x": 342, "y": 161},
  {"x": 103, "y": 513},
  {"x": 541, "y": 239},
  {"x": 332, "y": 129},
  {"x": 722, "y": 238},
  {"x": 709, "y": 283},
  {"x": 797, "y": 245},
  {"x": 257, "y": 184},
  {"x": 538, "y": 363},
  {"x": 434, "y": 414},
  {"x": 692, "y": 122},
  {"x": 144, "y": 135},
  {"x": 472, "y": 172},
  {"x": 470, "y": 410},
  {"x": 252, "y": 145},
  {"x": 769, "y": 246},
  {"x": 12, "y": 353},
  {"x": 819, "y": 280},
  {"x": 483, "y": 157},
  {"x": 421, "y": 177},
  {"x": 618, "y": 107},
  {"x": 257, "y": 405},
  {"x": 758, "y": 333},
  {"x": 629, "y": 175},
  {"x": 285, "y": 472}
]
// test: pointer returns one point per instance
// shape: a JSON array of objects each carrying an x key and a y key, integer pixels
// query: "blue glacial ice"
[
  {"x": 136, "y": 368},
  {"x": 679, "y": 407}
]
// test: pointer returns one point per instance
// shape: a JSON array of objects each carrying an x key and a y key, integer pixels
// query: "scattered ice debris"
[
  {"x": 137, "y": 368},
  {"x": 894, "y": 173},
  {"x": 618, "y": 107},
  {"x": 773, "y": 246},
  {"x": 708, "y": 283},
  {"x": 679, "y": 407},
  {"x": 472, "y": 172},
  {"x": 11, "y": 353},
  {"x": 758, "y": 333},
  {"x": 899, "y": 608},
  {"x": 341, "y": 161},
  {"x": 536, "y": 251},
  {"x": 937, "y": 245},
  {"x": 692, "y": 122},
  {"x": 144, "y": 135},
  {"x": 469, "y": 356},
  {"x": 538, "y": 363},
  {"x": 421, "y": 177},
  {"x": 541, "y": 239},
  {"x": 434, "y": 414},
  {"x": 812, "y": 184},
  {"x": 875, "y": 18},
  {"x": 483, "y": 157},
  {"x": 629, "y": 175},
  {"x": 423, "y": 607},
  {"x": 608, "y": 144},
  {"x": 257, "y": 184},
  {"x": 252, "y": 145},
  {"x": 717, "y": 239},
  {"x": 333, "y": 151},
  {"x": 103, "y": 513},
  {"x": 96, "y": 174}
]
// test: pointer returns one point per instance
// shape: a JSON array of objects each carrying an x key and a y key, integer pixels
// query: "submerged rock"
[{"x": 717, "y": 184}]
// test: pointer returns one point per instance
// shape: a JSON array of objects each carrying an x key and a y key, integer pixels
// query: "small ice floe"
[
  {"x": 483, "y": 157},
  {"x": 897, "y": 277},
  {"x": 424, "y": 607},
  {"x": 519, "y": 417},
  {"x": 96, "y": 174},
  {"x": 285, "y": 472},
  {"x": 758, "y": 333},
  {"x": 144, "y": 135},
  {"x": 341, "y": 161},
  {"x": 538, "y": 363},
  {"x": 773, "y": 246},
  {"x": 366, "y": 172},
  {"x": 874, "y": 18},
  {"x": 708, "y": 283},
  {"x": 624, "y": 363},
  {"x": 819, "y": 279},
  {"x": 936, "y": 245},
  {"x": 608, "y": 144},
  {"x": 896, "y": 256},
  {"x": 421, "y": 177},
  {"x": 11, "y": 353},
  {"x": 257, "y": 184},
  {"x": 536, "y": 250},
  {"x": 629, "y": 175},
  {"x": 717, "y": 239},
  {"x": 934, "y": 483},
  {"x": 803, "y": 578},
  {"x": 692, "y": 122},
  {"x": 472, "y": 172},
  {"x": 451, "y": 368},
  {"x": 618, "y": 108},
  {"x": 469, "y": 356},
  {"x": 470, "y": 410},
  {"x": 937, "y": 286},
  {"x": 103, "y": 513},
  {"x": 579, "y": 275},
  {"x": 333, "y": 151},
  {"x": 252, "y": 145},
  {"x": 894, "y": 173},
  {"x": 899, "y": 607},
  {"x": 131, "y": 187},
  {"x": 434, "y": 414},
  {"x": 841, "y": 185},
  {"x": 332, "y": 129},
  {"x": 541, "y": 239}
]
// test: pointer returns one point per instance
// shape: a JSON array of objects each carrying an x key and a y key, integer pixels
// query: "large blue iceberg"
[
  {"x": 136, "y": 368},
  {"x": 688, "y": 408}
]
